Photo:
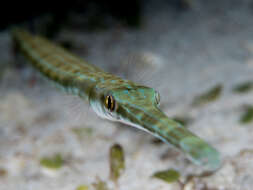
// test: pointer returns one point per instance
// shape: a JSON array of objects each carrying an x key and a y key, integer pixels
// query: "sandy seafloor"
[{"x": 179, "y": 54}]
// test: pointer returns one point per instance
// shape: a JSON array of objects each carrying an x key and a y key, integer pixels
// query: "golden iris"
[{"x": 110, "y": 103}]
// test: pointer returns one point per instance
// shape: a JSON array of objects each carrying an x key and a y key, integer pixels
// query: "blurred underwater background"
[{"x": 197, "y": 54}]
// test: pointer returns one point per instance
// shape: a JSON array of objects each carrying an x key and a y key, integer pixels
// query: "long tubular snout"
[{"x": 158, "y": 124}]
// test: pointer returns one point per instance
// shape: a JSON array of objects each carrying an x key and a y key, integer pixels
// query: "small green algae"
[
  {"x": 247, "y": 116},
  {"x": 82, "y": 187},
  {"x": 244, "y": 87},
  {"x": 209, "y": 96},
  {"x": 168, "y": 176},
  {"x": 54, "y": 162},
  {"x": 117, "y": 161},
  {"x": 100, "y": 185}
]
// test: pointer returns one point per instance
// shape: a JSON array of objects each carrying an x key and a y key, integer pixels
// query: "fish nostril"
[{"x": 157, "y": 98}]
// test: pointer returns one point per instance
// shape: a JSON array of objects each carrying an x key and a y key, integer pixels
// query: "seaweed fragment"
[
  {"x": 117, "y": 161},
  {"x": 243, "y": 87},
  {"x": 100, "y": 185},
  {"x": 209, "y": 96},
  {"x": 168, "y": 176},
  {"x": 247, "y": 116},
  {"x": 82, "y": 187},
  {"x": 54, "y": 162}
]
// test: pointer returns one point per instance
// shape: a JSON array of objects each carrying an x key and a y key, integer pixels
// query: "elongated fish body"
[{"x": 113, "y": 98}]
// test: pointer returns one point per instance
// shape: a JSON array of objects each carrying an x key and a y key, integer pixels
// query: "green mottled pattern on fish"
[{"x": 112, "y": 97}]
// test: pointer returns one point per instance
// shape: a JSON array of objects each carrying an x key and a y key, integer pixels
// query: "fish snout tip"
[{"x": 201, "y": 153}]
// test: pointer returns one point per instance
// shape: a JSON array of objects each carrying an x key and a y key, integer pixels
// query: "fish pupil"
[{"x": 109, "y": 103}]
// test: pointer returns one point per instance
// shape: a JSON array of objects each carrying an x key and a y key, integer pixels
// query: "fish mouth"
[{"x": 201, "y": 153}]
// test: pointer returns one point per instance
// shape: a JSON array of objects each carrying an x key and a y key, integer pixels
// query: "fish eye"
[
  {"x": 110, "y": 103},
  {"x": 157, "y": 98}
]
